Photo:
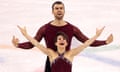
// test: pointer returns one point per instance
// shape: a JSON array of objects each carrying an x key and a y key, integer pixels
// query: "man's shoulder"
[
  {"x": 70, "y": 24},
  {"x": 46, "y": 24},
  {"x": 44, "y": 27}
]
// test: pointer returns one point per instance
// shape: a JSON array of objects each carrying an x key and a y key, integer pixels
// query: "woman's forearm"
[
  {"x": 90, "y": 41},
  {"x": 37, "y": 44},
  {"x": 80, "y": 48}
]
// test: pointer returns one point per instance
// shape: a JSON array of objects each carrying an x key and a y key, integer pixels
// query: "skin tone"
[
  {"x": 61, "y": 45},
  {"x": 58, "y": 11}
]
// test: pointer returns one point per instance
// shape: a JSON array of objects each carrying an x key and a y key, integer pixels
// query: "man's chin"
[{"x": 59, "y": 17}]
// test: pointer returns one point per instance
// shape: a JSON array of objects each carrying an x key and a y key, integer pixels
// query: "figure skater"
[{"x": 61, "y": 60}]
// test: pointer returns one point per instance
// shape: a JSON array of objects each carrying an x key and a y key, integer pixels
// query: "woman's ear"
[
  {"x": 55, "y": 43},
  {"x": 66, "y": 44}
]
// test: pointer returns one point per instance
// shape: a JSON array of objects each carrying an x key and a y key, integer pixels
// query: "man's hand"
[
  {"x": 109, "y": 39},
  {"x": 15, "y": 41}
]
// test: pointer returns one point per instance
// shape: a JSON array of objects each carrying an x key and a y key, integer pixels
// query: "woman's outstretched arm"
[
  {"x": 77, "y": 50},
  {"x": 34, "y": 42}
]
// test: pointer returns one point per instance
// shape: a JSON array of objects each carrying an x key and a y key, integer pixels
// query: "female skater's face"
[
  {"x": 61, "y": 41},
  {"x": 58, "y": 11}
]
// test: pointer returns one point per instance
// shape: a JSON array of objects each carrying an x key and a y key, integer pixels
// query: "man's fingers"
[{"x": 13, "y": 37}]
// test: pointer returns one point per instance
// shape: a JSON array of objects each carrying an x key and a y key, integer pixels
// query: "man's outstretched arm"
[
  {"x": 80, "y": 48},
  {"x": 29, "y": 45},
  {"x": 81, "y": 37}
]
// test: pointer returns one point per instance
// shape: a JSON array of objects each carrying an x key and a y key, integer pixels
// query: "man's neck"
[{"x": 58, "y": 22}]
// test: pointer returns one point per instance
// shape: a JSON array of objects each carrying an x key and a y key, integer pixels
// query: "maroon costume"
[
  {"x": 48, "y": 31},
  {"x": 61, "y": 64}
]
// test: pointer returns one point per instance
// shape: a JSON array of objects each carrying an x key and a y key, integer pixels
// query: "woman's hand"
[
  {"x": 99, "y": 31},
  {"x": 22, "y": 30}
]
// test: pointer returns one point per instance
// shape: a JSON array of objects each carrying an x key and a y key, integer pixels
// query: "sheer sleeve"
[
  {"x": 81, "y": 37},
  {"x": 38, "y": 37}
]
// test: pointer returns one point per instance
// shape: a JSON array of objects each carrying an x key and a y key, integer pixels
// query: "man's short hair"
[{"x": 56, "y": 2}]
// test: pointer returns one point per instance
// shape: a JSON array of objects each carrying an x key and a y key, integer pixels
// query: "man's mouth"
[{"x": 59, "y": 13}]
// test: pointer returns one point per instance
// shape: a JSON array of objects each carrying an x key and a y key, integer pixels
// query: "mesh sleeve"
[
  {"x": 81, "y": 37},
  {"x": 38, "y": 37}
]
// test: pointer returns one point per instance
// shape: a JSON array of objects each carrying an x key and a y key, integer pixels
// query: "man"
[{"x": 49, "y": 30}]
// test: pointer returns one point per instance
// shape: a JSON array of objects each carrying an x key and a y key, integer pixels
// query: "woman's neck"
[{"x": 61, "y": 50}]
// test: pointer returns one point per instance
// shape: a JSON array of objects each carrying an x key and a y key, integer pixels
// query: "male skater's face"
[{"x": 58, "y": 11}]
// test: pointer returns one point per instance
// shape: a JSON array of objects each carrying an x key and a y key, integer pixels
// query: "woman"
[{"x": 61, "y": 60}]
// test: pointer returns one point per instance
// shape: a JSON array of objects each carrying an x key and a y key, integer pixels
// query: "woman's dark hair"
[{"x": 62, "y": 34}]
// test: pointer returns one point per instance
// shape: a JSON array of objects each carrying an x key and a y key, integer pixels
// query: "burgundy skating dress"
[{"x": 61, "y": 64}]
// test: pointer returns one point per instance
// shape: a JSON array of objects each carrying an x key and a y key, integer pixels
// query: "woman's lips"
[{"x": 61, "y": 43}]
